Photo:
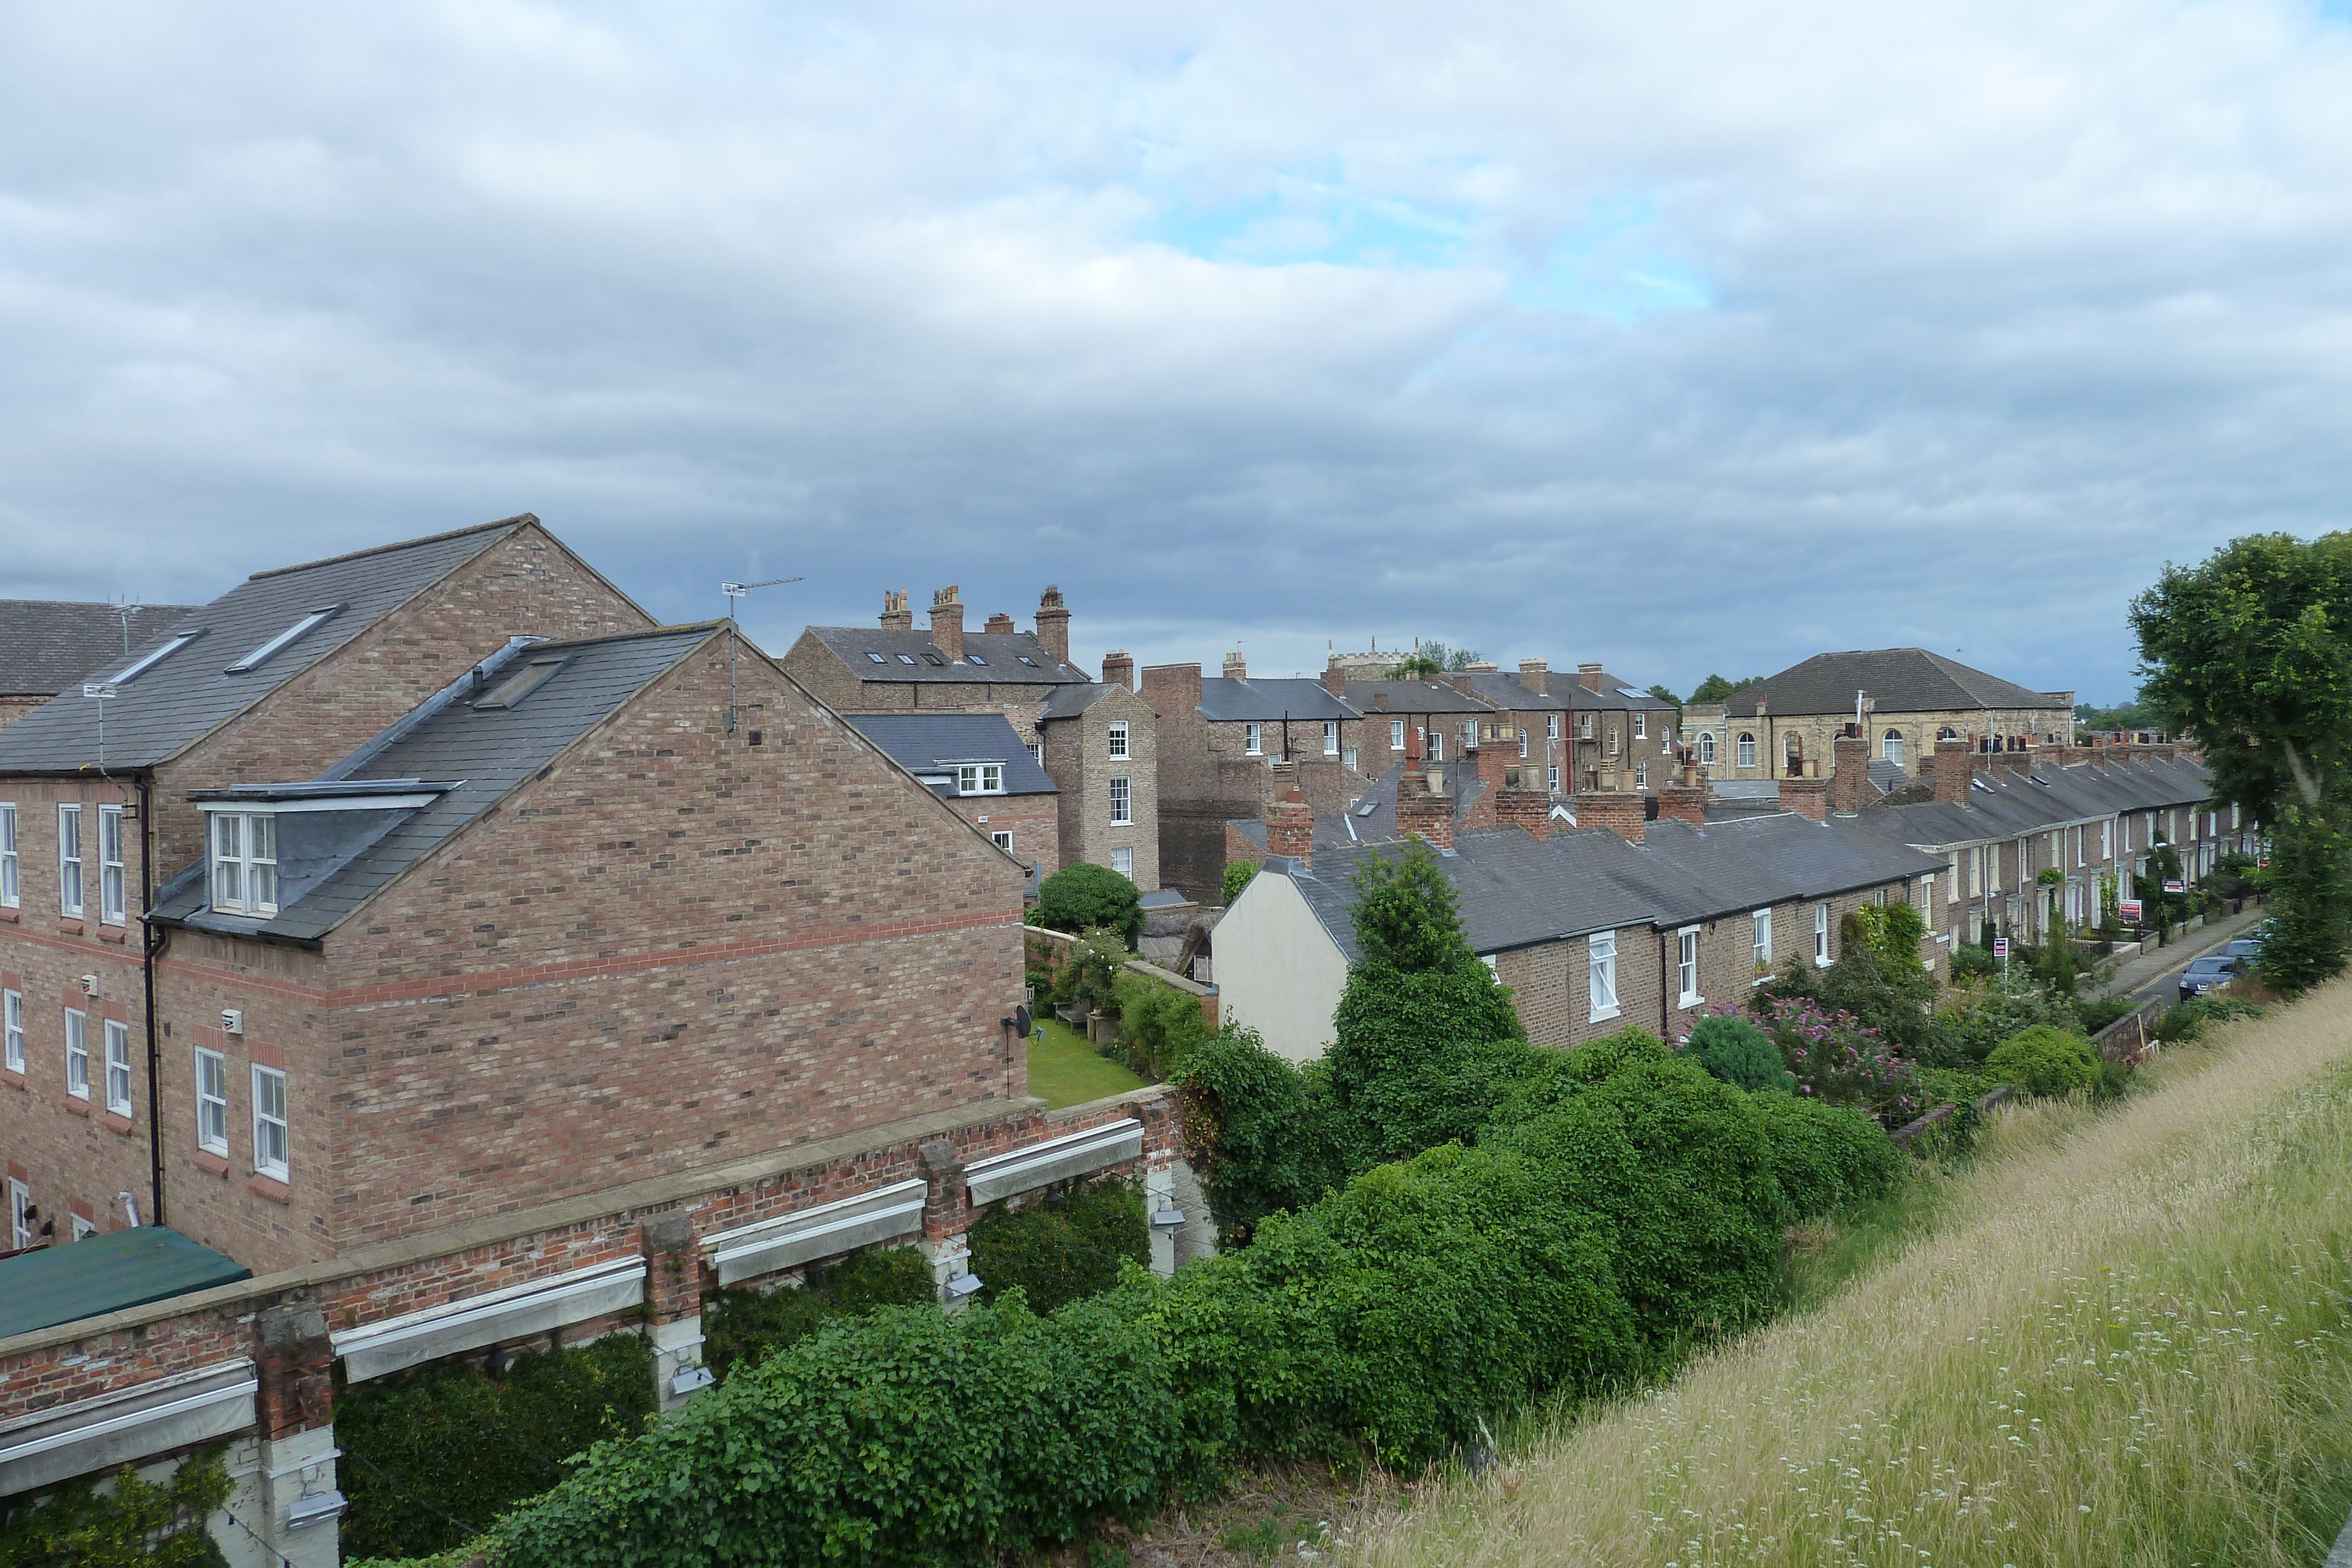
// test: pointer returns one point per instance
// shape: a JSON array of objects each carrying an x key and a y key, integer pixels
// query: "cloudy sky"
[{"x": 1689, "y": 336}]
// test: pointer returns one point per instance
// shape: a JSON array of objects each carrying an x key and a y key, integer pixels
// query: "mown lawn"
[
  {"x": 1066, "y": 1070},
  {"x": 2114, "y": 1338}
]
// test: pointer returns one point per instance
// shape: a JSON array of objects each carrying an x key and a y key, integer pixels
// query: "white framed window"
[
  {"x": 1601, "y": 975},
  {"x": 1038, "y": 752},
  {"x": 1002, "y": 841},
  {"x": 1551, "y": 780},
  {"x": 1469, "y": 735},
  {"x": 269, "y": 1123},
  {"x": 12, "y": 1029},
  {"x": 70, "y": 860},
  {"x": 152, "y": 658},
  {"x": 1523, "y": 742},
  {"x": 1891, "y": 748},
  {"x": 1122, "y": 801},
  {"x": 1349, "y": 756},
  {"x": 212, "y": 1103},
  {"x": 8, "y": 888},
  {"x": 118, "y": 1067},
  {"x": 2080, "y": 834},
  {"x": 1252, "y": 740},
  {"x": 1616, "y": 740},
  {"x": 1976, "y": 871},
  {"x": 244, "y": 863},
  {"x": 20, "y": 1215},
  {"x": 2233, "y": 817},
  {"x": 1396, "y": 734},
  {"x": 979, "y": 779},
  {"x": 113, "y": 894},
  {"x": 2107, "y": 839},
  {"x": 1436, "y": 745},
  {"x": 1122, "y": 861},
  {"x": 1551, "y": 727},
  {"x": 261, "y": 655},
  {"x": 1331, "y": 738},
  {"x": 1686, "y": 966},
  {"x": 1640, "y": 725},
  {"x": 1762, "y": 942},
  {"x": 1584, "y": 726},
  {"x": 77, "y": 1053},
  {"x": 1821, "y": 936},
  {"x": 1118, "y": 737},
  {"x": 1707, "y": 748},
  {"x": 1640, "y": 775},
  {"x": 84, "y": 1229},
  {"x": 1744, "y": 750}
]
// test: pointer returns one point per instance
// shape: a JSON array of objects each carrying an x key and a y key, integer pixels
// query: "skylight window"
[
  {"x": 975, "y": 658},
  {"x": 1026, "y": 660},
  {"x": 938, "y": 659},
  {"x": 906, "y": 658},
  {"x": 521, "y": 684},
  {"x": 875, "y": 657},
  {"x": 261, "y": 654},
  {"x": 152, "y": 657}
]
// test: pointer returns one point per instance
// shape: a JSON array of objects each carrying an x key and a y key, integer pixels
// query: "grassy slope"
[
  {"x": 1066, "y": 1070},
  {"x": 2124, "y": 1342}
]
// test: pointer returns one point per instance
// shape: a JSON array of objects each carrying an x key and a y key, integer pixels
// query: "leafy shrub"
[
  {"x": 1973, "y": 963},
  {"x": 745, "y": 1323},
  {"x": 2187, "y": 1021},
  {"x": 2044, "y": 1061},
  {"x": 1419, "y": 1058},
  {"x": 1893, "y": 933},
  {"x": 1237, "y": 877},
  {"x": 1061, "y": 1248},
  {"x": 1896, "y": 1000},
  {"x": 1082, "y": 897},
  {"x": 1824, "y": 1155},
  {"x": 2092, "y": 1016},
  {"x": 1158, "y": 1025},
  {"x": 1840, "y": 1061},
  {"x": 1737, "y": 1052},
  {"x": 1981, "y": 1020},
  {"x": 138, "y": 1525},
  {"x": 1255, "y": 1131},
  {"x": 1090, "y": 969},
  {"x": 475, "y": 1445}
]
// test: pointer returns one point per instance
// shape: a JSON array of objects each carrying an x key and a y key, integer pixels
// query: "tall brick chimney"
[
  {"x": 1423, "y": 806},
  {"x": 1534, "y": 673},
  {"x": 1289, "y": 824},
  {"x": 1806, "y": 797},
  {"x": 1236, "y": 667},
  {"x": 896, "y": 616},
  {"x": 998, "y": 624},
  {"x": 1334, "y": 679},
  {"x": 1515, "y": 807},
  {"x": 1119, "y": 670},
  {"x": 1173, "y": 689},
  {"x": 947, "y": 622},
  {"x": 1588, "y": 677},
  {"x": 1053, "y": 624},
  {"x": 1952, "y": 771},
  {"x": 1622, "y": 812},
  {"x": 1848, "y": 774},
  {"x": 1685, "y": 802}
]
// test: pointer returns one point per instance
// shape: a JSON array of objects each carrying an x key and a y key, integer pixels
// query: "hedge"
[
  {"x": 1061, "y": 1248},
  {"x": 137, "y": 1524},
  {"x": 744, "y": 1324}
]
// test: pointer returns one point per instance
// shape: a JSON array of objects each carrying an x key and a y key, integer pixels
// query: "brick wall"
[
  {"x": 1077, "y": 757},
  {"x": 14, "y": 708},
  {"x": 1033, "y": 820}
]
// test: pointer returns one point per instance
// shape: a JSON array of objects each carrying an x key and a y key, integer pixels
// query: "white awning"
[
  {"x": 1057, "y": 1159},
  {"x": 826, "y": 1230},
  {"x": 90, "y": 1436},
  {"x": 397, "y": 1344}
]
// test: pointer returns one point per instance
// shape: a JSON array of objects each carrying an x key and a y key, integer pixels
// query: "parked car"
[
  {"x": 2210, "y": 973},
  {"x": 2245, "y": 949}
]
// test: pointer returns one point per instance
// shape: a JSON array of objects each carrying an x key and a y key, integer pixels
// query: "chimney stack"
[
  {"x": 1289, "y": 824},
  {"x": 1422, "y": 807},
  {"x": 1808, "y": 797},
  {"x": 1054, "y": 625},
  {"x": 1685, "y": 802},
  {"x": 947, "y": 622},
  {"x": 1334, "y": 679},
  {"x": 1119, "y": 670},
  {"x": 998, "y": 624},
  {"x": 1516, "y": 806},
  {"x": 1848, "y": 774},
  {"x": 1952, "y": 771},
  {"x": 1534, "y": 673},
  {"x": 896, "y": 616},
  {"x": 1589, "y": 676},
  {"x": 1622, "y": 812},
  {"x": 1236, "y": 668}
]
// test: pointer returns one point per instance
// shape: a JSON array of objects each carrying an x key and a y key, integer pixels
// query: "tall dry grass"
[{"x": 2124, "y": 1342}]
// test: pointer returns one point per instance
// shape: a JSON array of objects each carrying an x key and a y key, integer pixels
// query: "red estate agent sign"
[
  {"x": 2001, "y": 946},
  {"x": 2128, "y": 911}
]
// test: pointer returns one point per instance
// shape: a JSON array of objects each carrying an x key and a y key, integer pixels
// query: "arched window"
[
  {"x": 1747, "y": 752},
  {"x": 1893, "y": 746},
  {"x": 1707, "y": 748},
  {"x": 1948, "y": 733}
]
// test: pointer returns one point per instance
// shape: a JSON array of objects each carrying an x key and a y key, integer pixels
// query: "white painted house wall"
[{"x": 1278, "y": 971}]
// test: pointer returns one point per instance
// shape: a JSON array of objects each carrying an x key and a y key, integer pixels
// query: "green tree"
[
  {"x": 2249, "y": 655},
  {"x": 139, "y": 1524},
  {"x": 1715, "y": 688},
  {"x": 1428, "y": 660},
  {"x": 1405, "y": 915},
  {"x": 1084, "y": 895},
  {"x": 1237, "y": 877}
]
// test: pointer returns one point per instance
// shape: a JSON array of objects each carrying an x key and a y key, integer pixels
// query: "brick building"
[
  {"x": 1100, "y": 744},
  {"x": 1908, "y": 699},
  {"x": 976, "y": 764},
  {"x": 48, "y": 646}
]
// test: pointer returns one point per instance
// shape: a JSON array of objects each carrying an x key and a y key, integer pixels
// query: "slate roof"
[
  {"x": 1887, "y": 775},
  {"x": 1409, "y": 697},
  {"x": 1898, "y": 680},
  {"x": 1069, "y": 702},
  {"x": 189, "y": 693},
  {"x": 1227, "y": 701},
  {"x": 464, "y": 757},
  {"x": 927, "y": 743},
  {"x": 988, "y": 656},
  {"x": 1746, "y": 862},
  {"x": 1615, "y": 692},
  {"x": 48, "y": 645},
  {"x": 1501, "y": 691},
  {"x": 2006, "y": 804}
]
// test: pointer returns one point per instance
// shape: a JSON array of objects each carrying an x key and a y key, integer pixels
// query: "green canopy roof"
[{"x": 105, "y": 1274}]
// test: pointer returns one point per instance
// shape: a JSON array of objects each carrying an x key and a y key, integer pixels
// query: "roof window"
[
  {"x": 906, "y": 658},
  {"x": 975, "y": 658},
  {"x": 260, "y": 655},
  {"x": 875, "y": 657},
  {"x": 521, "y": 684},
  {"x": 1026, "y": 660},
  {"x": 152, "y": 657},
  {"x": 931, "y": 658}
]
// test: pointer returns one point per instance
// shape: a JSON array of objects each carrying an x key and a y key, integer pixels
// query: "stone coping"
[{"x": 651, "y": 1192}]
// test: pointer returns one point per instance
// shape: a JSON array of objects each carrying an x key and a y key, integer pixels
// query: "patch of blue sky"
[
  {"x": 2337, "y": 11},
  {"x": 1618, "y": 263},
  {"x": 1313, "y": 220}
]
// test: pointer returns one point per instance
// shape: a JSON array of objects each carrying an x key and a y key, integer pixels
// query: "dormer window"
[
  {"x": 875, "y": 657},
  {"x": 981, "y": 778},
  {"x": 520, "y": 684},
  {"x": 262, "y": 654},
  {"x": 244, "y": 863},
  {"x": 152, "y": 657}
]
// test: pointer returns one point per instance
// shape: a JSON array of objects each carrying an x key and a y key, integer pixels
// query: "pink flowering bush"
[{"x": 1839, "y": 1059}]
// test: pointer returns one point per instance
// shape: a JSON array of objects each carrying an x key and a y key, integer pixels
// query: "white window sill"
[
  {"x": 1759, "y": 980},
  {"x": 1820, "y": 963},
  {"x": 220, "y": 1152},
  {"x": 1692, "y": 999},
  {"x": 1606, "y": 1015}
]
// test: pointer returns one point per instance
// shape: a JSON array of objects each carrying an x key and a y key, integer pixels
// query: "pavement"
[
  {"x": 2147, "y": 975},
  {"x": 2342, "y": 1556}
]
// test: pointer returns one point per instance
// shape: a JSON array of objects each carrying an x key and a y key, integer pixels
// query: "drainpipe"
[{"x": 149, "y": 944}]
